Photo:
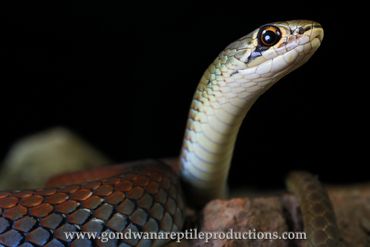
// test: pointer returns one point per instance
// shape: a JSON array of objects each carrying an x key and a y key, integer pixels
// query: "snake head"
[
  {"x": 274, "y": 50},
  {"x": 226, "y": 92}
]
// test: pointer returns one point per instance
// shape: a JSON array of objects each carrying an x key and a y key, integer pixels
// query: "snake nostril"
[{"x": 301, "y": 30}]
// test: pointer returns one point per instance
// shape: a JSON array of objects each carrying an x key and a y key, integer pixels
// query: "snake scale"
[{"x": 148, "y": 195}]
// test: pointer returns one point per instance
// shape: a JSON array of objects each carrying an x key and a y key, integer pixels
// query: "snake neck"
[{"x": 221, "y": 102}]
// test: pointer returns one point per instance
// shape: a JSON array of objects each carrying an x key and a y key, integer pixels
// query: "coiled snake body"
[{"x": 147, "y": 196}]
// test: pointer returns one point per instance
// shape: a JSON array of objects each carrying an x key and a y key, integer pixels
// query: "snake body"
[
  {"x": 317, "y": 212},
  {"x": 147, "y": 196},
  {"x": 144, "y": 196}
]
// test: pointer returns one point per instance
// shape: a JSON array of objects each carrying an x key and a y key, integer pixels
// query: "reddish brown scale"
[
  {"x": 8, "y": 202},
  {"x": 47, "y": 192},
  {"x": 23, "y": 194},
  {"x": 115, "y": 198},
  {"x": 4, "y": 194},
  {"x": 67, "y": 207},
  {"x": 124, "y": 186},
  {"x": 52, "y": 221},
  {"x": 112, "y": 181},
  {"x": 15, "y": 213},
  {"x": 93, "y": 185},
  {"x": 81, "y": 195},
  {"x": 70, "y": 188},
  {"x": 39, "y": 236},
  {"x": 93, "y": 202},
  {"x": 104, "y": 212},
  {"x": 104, "y": 190},
  {"x": 57, "y": 198},
  {"x": 41, "y": 211},
  {"x": 31, "y": 201},
  {"x": 25, "y": 224},
  {"x": 143, "y": 196}
]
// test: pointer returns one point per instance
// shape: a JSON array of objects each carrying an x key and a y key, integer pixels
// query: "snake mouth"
[
  {"x": 316, "y": 32},
  {"x": 305, "y": 38}
]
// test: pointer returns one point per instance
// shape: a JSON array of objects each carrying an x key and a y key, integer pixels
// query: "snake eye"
[{"x": 269, "y": 35}]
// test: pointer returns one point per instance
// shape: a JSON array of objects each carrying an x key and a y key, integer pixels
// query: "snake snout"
[
  {"x": 316, "y": 31},
  {"x": 311, "y": 29}
]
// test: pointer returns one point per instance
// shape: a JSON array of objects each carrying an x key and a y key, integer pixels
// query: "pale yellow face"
[{"x": 275, "y": 49}]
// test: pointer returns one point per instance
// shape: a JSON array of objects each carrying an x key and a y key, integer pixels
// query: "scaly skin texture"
[
  {"x": 140, "y": 197},
  {"x": 316, "y": 209},
  {"x": 147, "y": 197},
  {"x": 228, "y": 89}
]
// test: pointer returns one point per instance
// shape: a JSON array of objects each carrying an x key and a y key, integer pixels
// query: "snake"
[{"x": 150, "y": 195}]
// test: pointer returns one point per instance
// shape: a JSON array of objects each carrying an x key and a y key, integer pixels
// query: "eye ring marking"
[{"x": 268, "y": 35}]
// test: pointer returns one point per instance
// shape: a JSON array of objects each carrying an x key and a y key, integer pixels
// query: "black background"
[{"x": 123, "y": 78}]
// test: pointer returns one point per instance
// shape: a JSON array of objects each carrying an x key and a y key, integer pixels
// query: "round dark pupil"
[{"x": 269, "y": 37}]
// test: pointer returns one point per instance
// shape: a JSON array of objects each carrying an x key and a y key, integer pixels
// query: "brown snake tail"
[
  {"x": 139, "y": 196},
  {"x": 318, "y": 215}
]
